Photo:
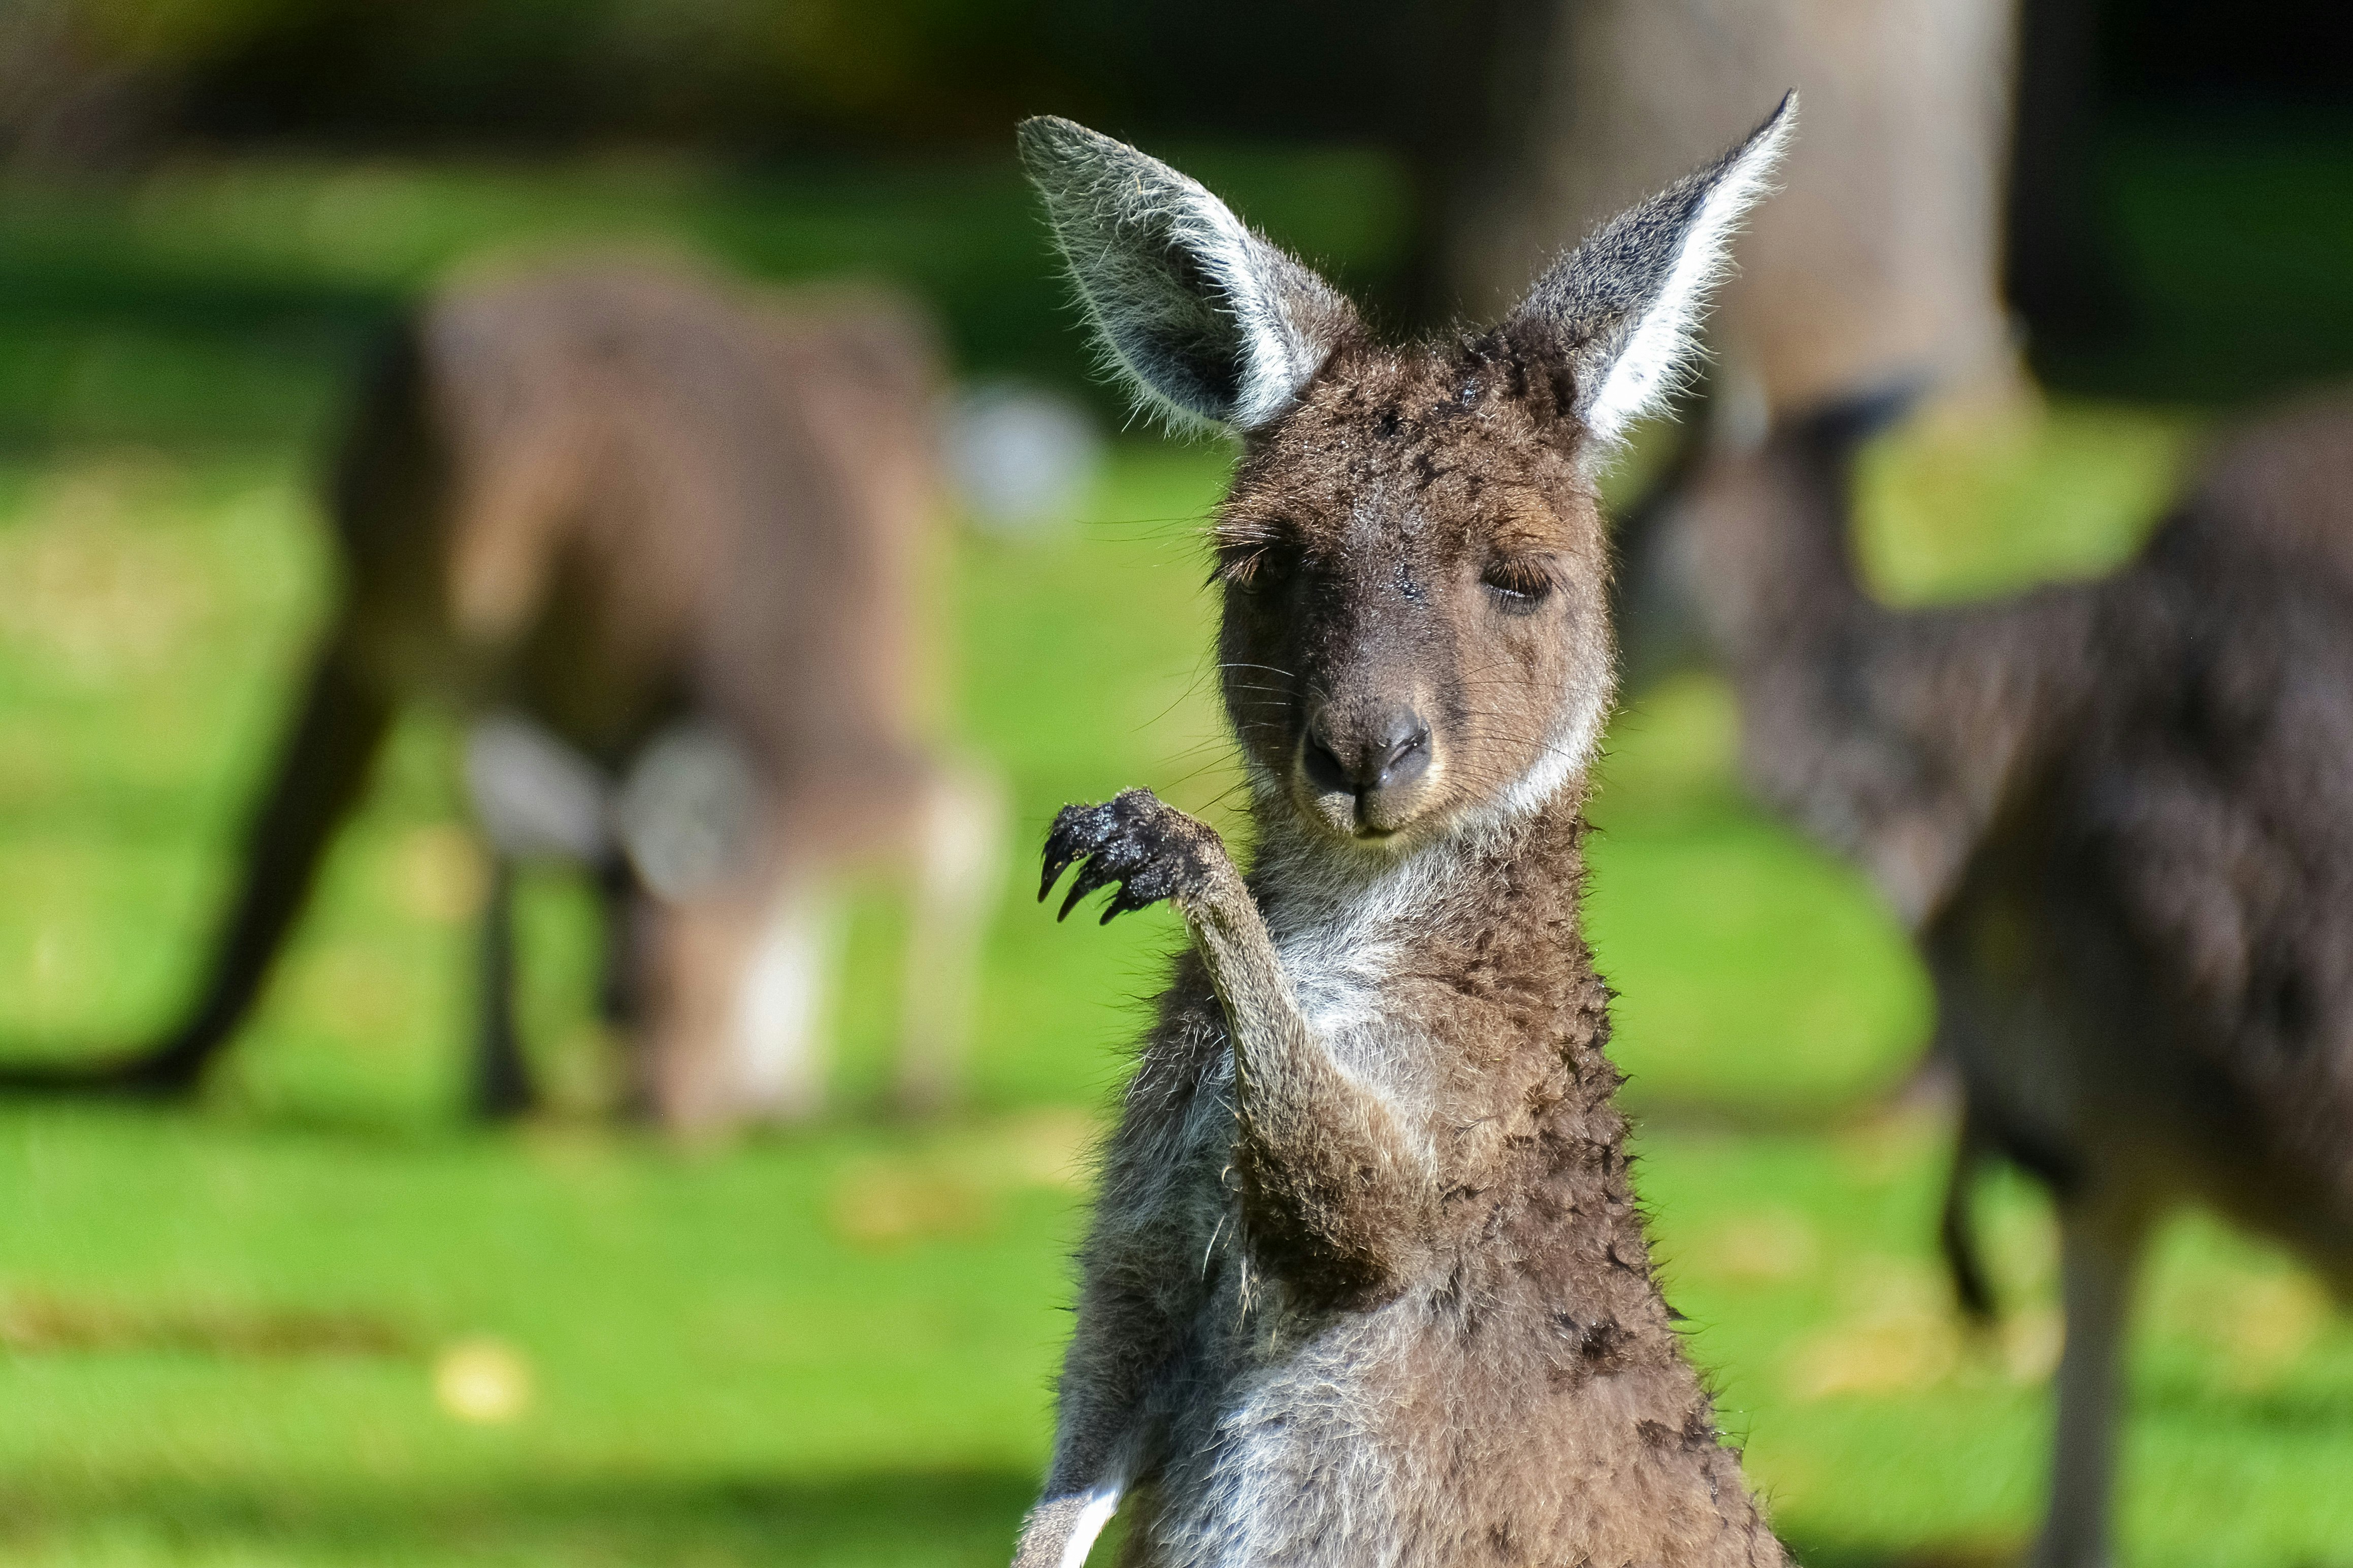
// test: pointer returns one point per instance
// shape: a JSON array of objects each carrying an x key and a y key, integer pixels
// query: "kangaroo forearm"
[
  {"x": 1094, "y": 1454},
  {"x": 1122, "y": 1345},
  {"x": 1318, "y": 1144},
  {"x": 1101, "y": 1402},
  {"x": 1328, "y": 1171},
  {"x": 1272, "y": 1037},
  {"x": 1339, "y": 1200},
  {"x": 1059, "y": 1531}
]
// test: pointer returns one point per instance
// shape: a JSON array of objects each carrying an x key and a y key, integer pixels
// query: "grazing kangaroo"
[
  {"x": 2117, "y": 817},
  {"x": 657, "y": 538},
  {"x": 1367, "y": 1282}
]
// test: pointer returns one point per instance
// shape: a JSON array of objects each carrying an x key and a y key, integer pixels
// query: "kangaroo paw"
[{"x": 1152, "y": 850}]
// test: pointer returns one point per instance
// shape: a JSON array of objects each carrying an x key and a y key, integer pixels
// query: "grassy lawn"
[{"x": 321, "y": 1320}]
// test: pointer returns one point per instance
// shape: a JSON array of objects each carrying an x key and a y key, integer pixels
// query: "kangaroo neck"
[
  {"x": 1314, "y": 888},
  {"x": 1804, "y": 598}
]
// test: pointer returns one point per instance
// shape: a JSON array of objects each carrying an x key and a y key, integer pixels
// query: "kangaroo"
[
  {"x": 655, "y": 538},
  {"x": 1367, "y": 1282},
  {"x": 2118, "y": 818}
]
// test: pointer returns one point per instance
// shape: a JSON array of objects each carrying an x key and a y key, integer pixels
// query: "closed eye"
[
  {"x": 1249, "y": 554},
  {"x": 1518, "y": 584},
  {"x": 1243, "y": 569}
]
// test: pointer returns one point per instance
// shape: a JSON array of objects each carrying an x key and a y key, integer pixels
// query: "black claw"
[
  {"x": 1063, "y": 849},
  {"x": 1113, "y": 844},
  {"x": 1093, "y": 875},
  {"x": 1078, "y": 830}
]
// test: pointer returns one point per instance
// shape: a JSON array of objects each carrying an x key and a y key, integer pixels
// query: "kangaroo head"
[{"x": 1414, "y": 568}]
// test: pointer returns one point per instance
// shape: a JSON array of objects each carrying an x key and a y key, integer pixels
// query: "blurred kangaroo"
[
  {"x": 2118, "y": 817},
  {"x": 657, "y": 538},
  {"x": 1367, "y": 1281}
]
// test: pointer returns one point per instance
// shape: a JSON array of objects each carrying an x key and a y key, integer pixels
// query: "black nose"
[{"x": 1392, "y": 752}]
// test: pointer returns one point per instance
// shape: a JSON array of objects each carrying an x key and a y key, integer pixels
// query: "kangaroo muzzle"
[{"x": 1366, "y": 769}]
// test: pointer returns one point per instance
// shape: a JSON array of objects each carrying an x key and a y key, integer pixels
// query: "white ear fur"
[
  {"x": 1203, "y": 317},
  {"x": 1629, "y": 301},
  {"x": 1279, "y": 353},
  {"x": 1665, "y": 339}
]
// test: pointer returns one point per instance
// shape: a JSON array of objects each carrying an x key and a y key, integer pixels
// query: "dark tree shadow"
[
  {"x": 1830, "y": 1551},
  {"x": 915, "y": 1517}
]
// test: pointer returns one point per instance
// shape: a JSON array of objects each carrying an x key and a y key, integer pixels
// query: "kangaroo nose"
[{"x": 1392, "y": 752}]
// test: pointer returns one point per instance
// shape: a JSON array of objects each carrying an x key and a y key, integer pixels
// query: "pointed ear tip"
[
  {"x": 1765, "y": 145},
  {"x": 1045, "y": 138}
]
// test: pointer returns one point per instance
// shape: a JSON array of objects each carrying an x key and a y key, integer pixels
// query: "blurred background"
[{"x": 324, "y": 1317}]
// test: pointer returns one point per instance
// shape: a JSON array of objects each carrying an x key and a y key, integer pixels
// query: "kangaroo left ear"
[
  {"x": 1204, "y": 319},
  {"x": 1625, "y": 306}
]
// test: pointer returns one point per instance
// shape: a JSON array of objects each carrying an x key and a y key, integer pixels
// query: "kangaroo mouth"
[{"x": 1369, "y": 817}]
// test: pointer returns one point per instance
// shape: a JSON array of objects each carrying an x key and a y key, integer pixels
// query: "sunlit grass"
[{"x": 232, "y": 1335}]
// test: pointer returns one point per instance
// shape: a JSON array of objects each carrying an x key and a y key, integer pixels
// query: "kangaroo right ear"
[
  {"x": 1624, "y": 306},
  {"x": 1205, "y": 318}
]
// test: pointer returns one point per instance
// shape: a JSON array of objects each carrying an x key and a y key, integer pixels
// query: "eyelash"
[
  {"x": 1241, "y": 571},
  {"x": 1521, "y": 585}
]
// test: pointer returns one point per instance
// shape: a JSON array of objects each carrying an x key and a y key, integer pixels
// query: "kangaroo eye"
[
  {"x": 1246, "y": 570},
  {"x": 1517, "y": 586},
  {"x": 1250, "y": 559}
]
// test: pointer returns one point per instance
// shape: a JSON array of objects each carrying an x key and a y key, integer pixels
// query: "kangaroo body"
[
  {"x": 1367, "y": 1282},
  {"x": 661, "y": 535},
  {"x": 2118, "y": 817},
  {"x": 1466, "y": 1356}
]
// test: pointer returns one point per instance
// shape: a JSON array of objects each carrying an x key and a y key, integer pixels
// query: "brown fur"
[
  {"x": 1367, "y": 1281},
  {"x": 609, "y": 497},
  {"x": 2120, "y": 816}
]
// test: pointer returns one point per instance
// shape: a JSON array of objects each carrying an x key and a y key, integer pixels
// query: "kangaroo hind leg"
[{"x": 2101, "y": 1245}]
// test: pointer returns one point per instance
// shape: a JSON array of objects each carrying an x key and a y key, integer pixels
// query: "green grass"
[
  {"x": 220, "y": 1330},
  {"x": 224, "y": 302}
]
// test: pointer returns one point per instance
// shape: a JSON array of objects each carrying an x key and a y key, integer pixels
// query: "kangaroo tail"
[{"x": 322, "y": 769}]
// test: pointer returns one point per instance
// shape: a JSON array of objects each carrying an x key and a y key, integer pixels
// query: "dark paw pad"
[{"x": 1152, "y": 850}]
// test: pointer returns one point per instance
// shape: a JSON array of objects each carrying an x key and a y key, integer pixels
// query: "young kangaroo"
[
  {"x": 2118, "y": 817},
  {"x": 1367, "y": 1282},
  {"x": 657, "y": 538}
]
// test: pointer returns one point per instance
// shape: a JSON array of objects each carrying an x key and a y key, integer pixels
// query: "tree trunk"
[{"x": 1881, "y": 258}]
